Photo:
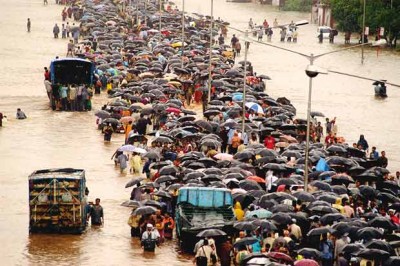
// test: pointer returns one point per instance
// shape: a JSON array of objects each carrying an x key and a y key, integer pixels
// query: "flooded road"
[{"x": 53, "y": 139}]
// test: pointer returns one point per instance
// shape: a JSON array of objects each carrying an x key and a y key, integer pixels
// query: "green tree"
[
  {"x": 298, "y": 5},
  {"x": 348, "y": 15}
]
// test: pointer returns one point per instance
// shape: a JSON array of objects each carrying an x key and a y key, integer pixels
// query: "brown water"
[{"x": 54, "y": 139}]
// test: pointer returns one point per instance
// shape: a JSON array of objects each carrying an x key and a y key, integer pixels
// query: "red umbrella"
[
  {"x": 173, "y": 110},
  {"x": 256, "y": 178},
  {"x": 306, "y": 262},
  {"x": 280, "y": 256}
]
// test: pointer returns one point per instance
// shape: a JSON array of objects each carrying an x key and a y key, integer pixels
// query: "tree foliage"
[
  {"x": 298, "y": 5},
  {"x": 348, "y": 15}
]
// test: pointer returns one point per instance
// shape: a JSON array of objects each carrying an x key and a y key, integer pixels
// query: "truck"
[
  {"x": 200, "y": 208},
  {"x": 57, "y": 201}
]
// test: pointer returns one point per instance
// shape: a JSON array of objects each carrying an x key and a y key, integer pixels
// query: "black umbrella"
[
  {"x": 168, "y": 170},
  {"x": 282, "y": 208},
  {"x": 353, "y": 248},
  {"x": 152, "y": 203},
  {"x": 245, "y": 226},
  {"x": 267, "y": 204},
  {"x": 392, "y": 261},
  {"x": 265, "y": 225},
  {"x": 244, "y": 199},
  {"x": 274, "y": 166},
  {"x": 249, "y": 185},
  {"x": 321, "y": 185},
  {"x": 330, "y": 198},
  {"x": 368, "y": 192},
  {"x": 131, "y": 203},
  {"x": 162, "y": 194},
  {"x": 246, "y": 241},
  {"x": 244, "y": 155},
  {"x": 278, "y": 196},
  {"x": 281, "y": 218},
  {"x": 323, "y": 209},
  {"x": 319, "y": 231},
  {"x": 381, "y": 245},
  {"x": 144, "y": 210},
  {"x": 152, "y": 155},
  {"x": 369, "y": 233},
  {"x": 134, "y": 181},
  {"x": 211, "y": 233},
  {"x": 330, "y": 218},
  {"x": 373, "y": 254},
  {"x": 165, "y": 178},
  {"x": 382, "y": 222},
  {"x": 310, "y": 253},
  {"x": 304, "y": 196}
]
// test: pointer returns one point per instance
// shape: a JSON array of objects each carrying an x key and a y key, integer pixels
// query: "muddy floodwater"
[{"x": 50, "y": 139}]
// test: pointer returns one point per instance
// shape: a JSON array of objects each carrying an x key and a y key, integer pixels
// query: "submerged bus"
[{"x": 67, "y": 77}]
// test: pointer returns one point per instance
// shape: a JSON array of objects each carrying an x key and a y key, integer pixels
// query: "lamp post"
[
  {"x": 183, "y": 31},
  {"x": 209, "y": 63},
  {"x": 312, "y": 71},
  {"x": 363, "y": 33}
]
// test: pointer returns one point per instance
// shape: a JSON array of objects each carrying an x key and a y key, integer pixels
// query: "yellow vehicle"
[{"x": 229, "y": 54}]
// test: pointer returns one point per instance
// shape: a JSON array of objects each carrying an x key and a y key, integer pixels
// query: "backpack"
[{"x": 202, "y": 260}]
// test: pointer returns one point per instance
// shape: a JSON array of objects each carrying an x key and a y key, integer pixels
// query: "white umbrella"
[
  {"x": 139, "y": 150},
  {"x": 127, "y": 148}
]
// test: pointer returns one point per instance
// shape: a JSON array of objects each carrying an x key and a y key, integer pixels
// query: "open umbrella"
[
  {"x": 144, "y": 210},
  {"x": 246, "y": 241},
  {"x": 306, "y": 262},
  {"x": 309, "y": 253},
  {"x": 381, "y": 245},
  {"x": 373, "y": 254},
  {"x": 319, "y": 231},
  {"x": 134, "y": 181},
  {"x": 131, "y": 203},
  {"x": 279, "y": 256},
  {"x": 245, "y": 226},
  {"x": 260, "y": 213},
  {"x": 162, "y": 194},
  {"x": 368, "y": 233},
  {"x": 211, "y": 233},
  {"x": 281, "y": 218},
  {"x": 165, "y": 178},
  {"x": 102, "y": 114},
  {"x": 382, "y": 222}
]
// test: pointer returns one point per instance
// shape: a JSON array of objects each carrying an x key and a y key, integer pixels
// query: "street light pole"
[
  {"x": 363, "y": 33},
  {"x": 244, "y": 85},
  {"x": 183, "y": 31},
  {"x": 209, "y": 63},
  {"x": 307, "y": 151}
]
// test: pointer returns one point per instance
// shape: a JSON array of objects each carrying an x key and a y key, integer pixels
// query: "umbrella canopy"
[
  {"x": 368, "y": 233},
  {"x": 319, "y": 231},
  {"x": 309, "y": 253},
  {"x": 382, "y": 222},
  {"x": 245, "y": 226},
  {"x": 144, "y": 210},
  {"x": 246, "y": 241},
  {"x": 211, "y": 233},
  {"x": 306, "y": 262},
  {"x": 373, "y": 254},
  {"x": 131, "y": 204},
  {"x": 279, "y": 256},
  {"x": 260, "y": 213},
  {"x": 134, "y": 181}
]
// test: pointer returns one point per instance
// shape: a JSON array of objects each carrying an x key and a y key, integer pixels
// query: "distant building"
[{"x": 323, "y": 12}]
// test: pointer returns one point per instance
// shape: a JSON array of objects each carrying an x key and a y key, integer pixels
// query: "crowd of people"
[{"x": 255, "y": 143}]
